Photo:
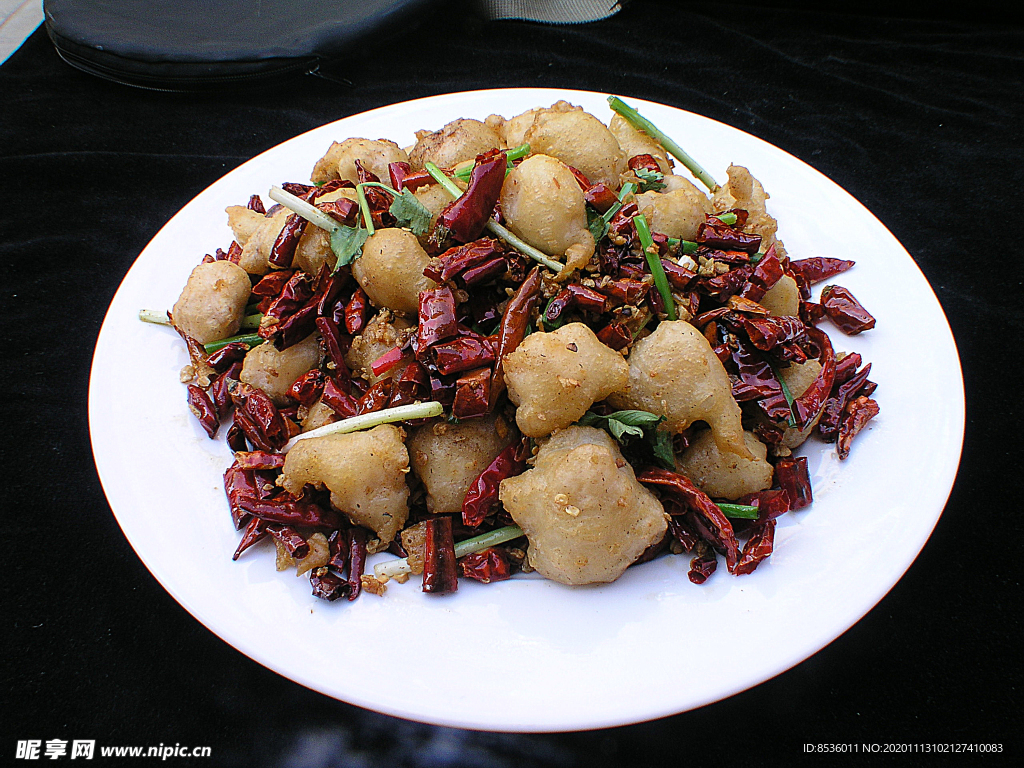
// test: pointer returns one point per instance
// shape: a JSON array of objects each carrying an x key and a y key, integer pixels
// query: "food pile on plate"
[{"x": 523, "y": 344}]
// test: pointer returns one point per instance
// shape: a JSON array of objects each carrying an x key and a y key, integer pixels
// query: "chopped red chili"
[
  {"x": 439, "y": 572},
  {"x": 845, "y": 311},
  {"x": 483, "y": 493}
]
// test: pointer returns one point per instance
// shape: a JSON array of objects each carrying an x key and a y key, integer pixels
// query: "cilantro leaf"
[
  {"x": 410, "y": 213},
  {"x": 624, "y": 426},
  {"x": 620, "y": 430},
  {"x": 347, "y": 244},
  {"x": 661, "y": 447},
  {"x": 636, "y": 418},
  {"x": 650, "y": 181},
  {"x": 597, "y": 224}
]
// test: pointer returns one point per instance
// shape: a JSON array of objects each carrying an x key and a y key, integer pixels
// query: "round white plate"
[{"x": 529, "y": 654}]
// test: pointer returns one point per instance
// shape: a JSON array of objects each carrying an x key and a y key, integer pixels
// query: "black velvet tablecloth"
[{"x": 919, "y": 118}]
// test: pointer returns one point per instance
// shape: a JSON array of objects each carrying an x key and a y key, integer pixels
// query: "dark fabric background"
[{"x": 919, "y": 118}]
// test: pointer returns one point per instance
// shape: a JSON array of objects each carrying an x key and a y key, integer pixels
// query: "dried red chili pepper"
[
  {"x": 403, "y": 177},
  {"x": 258, "y": 417},
  {"x": 770, "y": 504},
  {"x": 439, "y": 573},
  {"x": 333, "y": 185},
  {"x": 459, "y": 258},
  {"x": 293, "y": 297},
  {"x": 297, "y": 189},
  {"x": 622, "y": 222},
  {"x": 856, "y": 415},
  {"x": 327, "y": 586},
  {"x": 294, "y": 544},
  {"x": 483, "y": 493},
  {"x": 410, "y": 385},
  {"x": 258, "y": 460},
  {"x": 357, "y": 312},
  {"x": 713, "y": 233},
  {"x": 437, "y": 320},
  {"x": 846, "y": 368},
  {"x": 810, "y": 312},
  {"x": 646, "y": 162},
  {"x": 296, "y": 327},
  {"x": 343, "y": 210},
  {"x": 732, "y": 258},
  {"x": 197, "y": 357},
  {"x": 488, "y": 565},
  {"x": 487, "y": 272},
  {"x": 240, "y": 484},
  {"x": 740, "y": 214},
  {"x": 375, "y": 398},
  {"x": 766, "y": 274},
  {"x": 233, "y": 253},
  {"x": 255, "y": 531},
  {"x": 807, "y": 406},
  {"x": 442, "y": 388},
  {"x": 203, "y": 409},
  {"x": 704, "y": 563},
  {"x": 235, "y": 438},
  {"x": 339, "y": 401},
  {"x": 464, "y": 219},
  {"x": 587, "y": 298},
  {"x": 288, "y": 510},
  {"x": 678, "y": 529},
  {"x": 721, "y": 287},
  {"x": 397, "y": 173},
  {"x": 624, "y": 290},
  {"x": 512, "y": 329},
  {"x": 327, "y": 287},
  {"x": 256, "y": 204},
  {"x": 337, "y": 547},
  {"x": 283, "y": 250},
  {"x": 334, "y": 345},
  {"x": 758, "y": 381},
  {"x": 818, "y": 268},
  {"x": 227, "y": 356},
  {"x": 473, "y": 394},
  {"x": 702, "y": 513},
  {"x": 387, "y": 361},
  {"x": 615, "y": 335},
  {"x": 581, "y": 178},
  {"x": 758, "y": 547},
  {"x": 601, "y": 197},
  {"x": 845, "y": 311},
  {"x": 678, "y": 277},
  {"x": 271, "y": 284},
  {"x": 835, "y": 406},
  {"x": 308, "y": 387},
  {"x": 557, "y": 306},
  {"x": 769, "y": 331},
  {"x": 794, "y": 478},
  {"x": 462, "y": 354},
  {"x": 356, "y": 560}
]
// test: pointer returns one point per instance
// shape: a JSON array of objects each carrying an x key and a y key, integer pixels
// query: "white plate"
[{"x": 529, "y": 654}]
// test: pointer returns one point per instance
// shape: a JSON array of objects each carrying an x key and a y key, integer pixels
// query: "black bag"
[{"x": 186, "y": 45}]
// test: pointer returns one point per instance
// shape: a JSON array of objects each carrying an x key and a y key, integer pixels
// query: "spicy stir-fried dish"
[{"x": 523, "y": 344}]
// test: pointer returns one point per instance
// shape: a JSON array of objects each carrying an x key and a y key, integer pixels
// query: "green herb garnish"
[
  {"x": 347, "y": 244},
  {"x": 640, "y": 122},
  {"x": 654, "y": 262},
  {"x": 650, "y": 181},
  {"x": 632, "y": 424},
  {"x": 743, "y": 511}
]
